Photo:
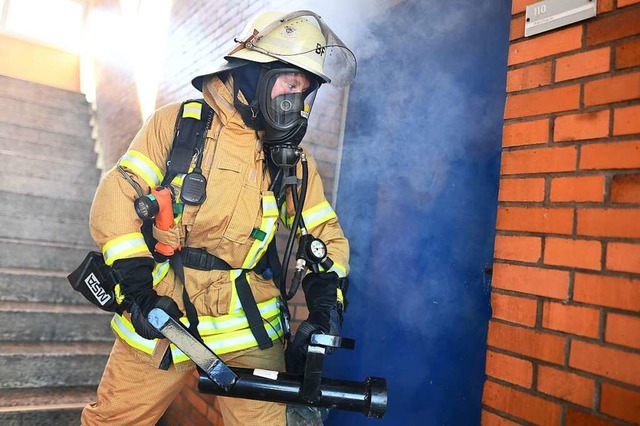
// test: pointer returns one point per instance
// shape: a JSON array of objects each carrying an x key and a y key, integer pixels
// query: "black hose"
[{"x": 294, "y": 227}]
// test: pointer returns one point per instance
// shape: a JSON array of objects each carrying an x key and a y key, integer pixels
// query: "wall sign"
[{"x": 551, "y": 14}]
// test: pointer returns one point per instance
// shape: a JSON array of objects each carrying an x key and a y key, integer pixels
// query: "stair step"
[
  {"x": 74, "y": 154},
  {"x": 49, "y": 166},
  {"x": 44, "y": 117},
  {"x": 32, "y": 365},
  {"x": 26, "y": 134},
  {"x": 38, "y": 255},
  {"x": 43, "y": 187},
  {"x": 28, "y": 322},
  {"x": 63, "y": 415},
  {"x": 57, "y": 230},
  {"x": 45, "y": 398},
  {"x": 42, "y": 94},
  {"x": 25, "y": 205},
  {"x": 22, "y": 285}
]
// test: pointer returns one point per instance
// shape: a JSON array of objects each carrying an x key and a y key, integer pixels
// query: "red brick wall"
[{"x": 564, "y": 340}]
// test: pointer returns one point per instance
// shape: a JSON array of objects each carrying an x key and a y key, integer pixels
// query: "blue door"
[{"x": 417, "y": 199}]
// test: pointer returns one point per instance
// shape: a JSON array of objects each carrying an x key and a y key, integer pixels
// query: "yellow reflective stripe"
[
  {"x": 160, "y": 271},
  {"x": 192, "y": 110},
  {"x": 123, "y": 247},
  {"x": 234, "y": 341},
  {"x": 318, "y": 214},
  {"x": 315, "y": 216},
  {"x": 268, "y": 225},
  {"x": 142, "y": 166},
  {"x": 178, "y": 180},
  {"x": 123, "y": 328},
  {"x": 217, "y": 325},
  {"x": 338, "y": 269}
]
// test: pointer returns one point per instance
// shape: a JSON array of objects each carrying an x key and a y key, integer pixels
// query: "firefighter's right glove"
[
  {"x": 320, "y": 292},
  {"x": 136, "y": 284}
]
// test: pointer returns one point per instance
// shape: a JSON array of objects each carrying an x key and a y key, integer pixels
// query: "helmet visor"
[
  {"x": 278, "y": 40},
  {"x": 287, "y": 96}
]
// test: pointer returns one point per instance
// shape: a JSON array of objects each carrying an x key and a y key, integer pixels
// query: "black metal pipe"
[{"x": 368, "y": 397}]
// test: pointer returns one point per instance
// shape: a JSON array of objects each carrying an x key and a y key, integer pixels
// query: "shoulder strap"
[{"x": 193, "y": 121}]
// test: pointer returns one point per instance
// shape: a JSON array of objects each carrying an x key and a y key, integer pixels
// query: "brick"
[
  {"x": 610, "y": 155},
  {"x": 490, "y": 419},
  {"x": 526, "y": 133},
  {"x": 578, "y": 320},
  {"x": 517, "y": 28},
  {"x": 576, "y": 417},
  {"x": 623, "y": 330},
  {"x": 606, "y": 362},
  {"x": 535, "y": 219},
  {"x": 566, "y": 386},
  {"x": 605, "y": 6},
  {"x": 521, "y": 404},
  {"x": 529, "y": 77},
  {"x": 510, "y": 369},
  {"x": 625, "y": 189},
  {"x": 518, "y": 247},
  {"x": 618, "y": 88},
  {"x": 623, "y": 257},
  {"x": 626, "y": 121},
  {"x": 539, "y": 160},
  {"x": 583, "y": 64},
  {"x": 577, "y": 189},
  {"x": 623, "y": 223},
  {"x": 628, "y": 55},
  {"x": 527, "y": 190},
  {"x": 514, "y": 309},
  {"x": 573, "y": 253},
  {"x": 614, "y": 292},
  {"x": 620, "y": 403},
  {"x": 545, "y": 45},
  {"x": 531, "y": 280},
  {"x": 542, "y": 102},
  {"x": 613, "y": 27},
  {"x": 531, "y": 343},
  {"x": 583, "y": 126}
]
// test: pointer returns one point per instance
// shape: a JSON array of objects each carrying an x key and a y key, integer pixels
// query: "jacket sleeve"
[
  {"x": 322, "y": 222},
  {"x": 113, "y": 222}
]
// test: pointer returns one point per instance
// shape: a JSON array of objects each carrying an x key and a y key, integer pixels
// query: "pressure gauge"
[{"x": 316, "y": 250}]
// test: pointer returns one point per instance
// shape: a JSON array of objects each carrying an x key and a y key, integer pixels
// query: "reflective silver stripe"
[
  {"x": 160, "y": 271},
  {"x": 124, "y": 329},
  {"x": 318, "y": 214},
  {"x": 231, "y": 342},
  {"x": 123, "y": 247},
  {"x": 142, "y": 166},
  {"x": 192, "y": 110},
  {"x": 268, "y": 226},
  {"x": 226, "y": 323}
]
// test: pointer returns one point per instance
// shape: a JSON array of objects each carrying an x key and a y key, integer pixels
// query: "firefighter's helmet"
[{"x": 300, "y": 38}]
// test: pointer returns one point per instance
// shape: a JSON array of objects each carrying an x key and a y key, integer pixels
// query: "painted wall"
[
  {"x": 39, "y": 64},
  {"x": 417, "y": 198}
]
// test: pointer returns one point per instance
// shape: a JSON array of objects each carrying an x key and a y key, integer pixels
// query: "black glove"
[
  {"x": 136, "y": 284},
  {"x": 320, "y": 292}
]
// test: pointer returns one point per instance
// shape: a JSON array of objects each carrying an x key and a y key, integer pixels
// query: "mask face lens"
[{"x": 290, "y": 96}]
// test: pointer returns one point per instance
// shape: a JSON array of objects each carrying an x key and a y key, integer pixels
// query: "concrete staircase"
[{"x": 53, "y": 344}]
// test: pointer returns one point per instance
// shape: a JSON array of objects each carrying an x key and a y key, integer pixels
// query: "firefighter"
[{"x": 261, "y": 96}]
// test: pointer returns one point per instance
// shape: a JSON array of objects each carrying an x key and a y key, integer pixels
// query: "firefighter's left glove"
[
  {"x": 320, "y": 292},
  {"x": 136, "y": 284}
]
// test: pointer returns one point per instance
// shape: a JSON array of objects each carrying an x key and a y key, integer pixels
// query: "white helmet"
[{"x": 299, "y": 38}]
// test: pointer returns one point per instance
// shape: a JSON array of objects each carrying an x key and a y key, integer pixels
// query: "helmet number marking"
[{"x": 320, "y": 49}]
